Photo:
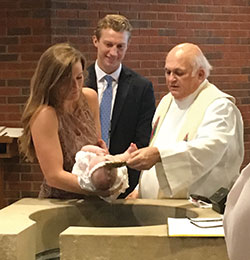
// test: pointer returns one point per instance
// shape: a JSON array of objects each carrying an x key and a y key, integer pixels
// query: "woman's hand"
[
  {"x": 104, "y": 193},
  {"x": 103, "y": 145}
]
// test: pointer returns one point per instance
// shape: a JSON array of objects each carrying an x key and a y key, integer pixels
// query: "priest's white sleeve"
[{"x": 208, "y": 158}]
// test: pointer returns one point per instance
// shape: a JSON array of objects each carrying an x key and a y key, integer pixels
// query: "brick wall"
[{"x": 27, "y": 28}]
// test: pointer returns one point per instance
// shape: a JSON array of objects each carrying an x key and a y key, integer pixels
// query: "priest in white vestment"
[{"x": 197, "y": 139}]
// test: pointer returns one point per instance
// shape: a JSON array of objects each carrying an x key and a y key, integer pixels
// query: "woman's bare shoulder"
[
  {"x": 44, "y": 114},
  {"x": 47, "y": 109},
  {"x": 91, "y": 97},
  {"x": 89, "y": 93}
]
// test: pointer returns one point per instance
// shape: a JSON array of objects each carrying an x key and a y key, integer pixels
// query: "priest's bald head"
[{"x": 186, "y": 68}]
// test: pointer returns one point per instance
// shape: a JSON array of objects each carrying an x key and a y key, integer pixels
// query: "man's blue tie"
[{"x": 105, "y": 110}]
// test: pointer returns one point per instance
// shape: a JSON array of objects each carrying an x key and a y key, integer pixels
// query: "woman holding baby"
[{"x": 60, "y": 117}]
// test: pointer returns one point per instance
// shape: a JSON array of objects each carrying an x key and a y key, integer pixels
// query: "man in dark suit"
[{"x": 133, "y": 101}]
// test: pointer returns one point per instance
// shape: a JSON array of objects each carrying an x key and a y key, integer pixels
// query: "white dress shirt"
[{"x": 209, "y": 161}]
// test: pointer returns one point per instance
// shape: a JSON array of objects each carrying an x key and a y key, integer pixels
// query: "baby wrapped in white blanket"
[{"x": 98, "y": 171}]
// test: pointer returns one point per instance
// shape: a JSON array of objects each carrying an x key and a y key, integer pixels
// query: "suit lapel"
[
  {"x": 91, "y": 79},
  {"x": 124, "y": 84}
]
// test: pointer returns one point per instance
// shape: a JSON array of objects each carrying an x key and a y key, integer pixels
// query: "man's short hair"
[{"x": 115, "y": 22}]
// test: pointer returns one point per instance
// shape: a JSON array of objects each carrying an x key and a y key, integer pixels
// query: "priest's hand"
[{"x": 144, "y": 158}]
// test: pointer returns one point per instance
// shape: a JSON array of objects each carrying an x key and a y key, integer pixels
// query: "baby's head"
[{"x": 103, "y": 177}]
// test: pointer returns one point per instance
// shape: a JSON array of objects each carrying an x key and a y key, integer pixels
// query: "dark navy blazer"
[{"x": 132, "y": 115}]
